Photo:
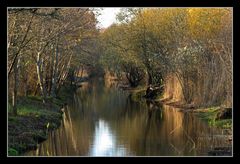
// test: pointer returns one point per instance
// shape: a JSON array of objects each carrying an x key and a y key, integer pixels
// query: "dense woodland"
[
  {"x": 46, "y": 47},
  {"x": 193, "y": 46},
  {"x": 186, "y": 47}
]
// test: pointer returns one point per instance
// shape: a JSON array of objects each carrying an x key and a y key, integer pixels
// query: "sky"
[{"x": 107, "y": 17}]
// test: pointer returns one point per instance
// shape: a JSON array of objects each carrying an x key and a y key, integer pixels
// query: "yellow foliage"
[{"x": 207, "y": 22}]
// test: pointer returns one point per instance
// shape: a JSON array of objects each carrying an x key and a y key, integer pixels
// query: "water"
[{"x": 103, "y": 120}]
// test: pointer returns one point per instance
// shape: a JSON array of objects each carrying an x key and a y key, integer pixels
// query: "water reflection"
[
  {"x": 104, "y": 143},
  {"x": 104, "y": 121}
]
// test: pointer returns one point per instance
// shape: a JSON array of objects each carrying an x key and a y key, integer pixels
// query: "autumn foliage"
[{"x": 193, "y": 45}]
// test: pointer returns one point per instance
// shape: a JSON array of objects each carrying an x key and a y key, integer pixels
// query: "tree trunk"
[
  {"x": 63, "y": 74},
  {"x": 25, "y": 86},
  {"x": 40, "y": 77},
  {"x": 55, "y": 71},
  {"x": 14, "y": 98},
  {"x": 81, "y": 71},
  {"x": 149, "y": 78},
  {"x": 35, "y": 92},
  {"x": 25, "y": 78}
]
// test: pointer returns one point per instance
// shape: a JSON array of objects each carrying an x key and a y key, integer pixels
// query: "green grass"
[
  {"x": 33, "y": 110},
  {"x": 31, "y": 124},
  {"x": 34, "y": 106},
  {"x": 12, "y": 152},
  {"x": 210, "y": 114},
  {"x": 28, "y": 110},
  {"x": 226, "y": 123},
  {"x": 57, "y": 101},
  {"x": 49, "y": 99},
  {"x": 13, "y": 119},
  {"x": 36, "y": 98},
  {"x": 34, "y": 120}
]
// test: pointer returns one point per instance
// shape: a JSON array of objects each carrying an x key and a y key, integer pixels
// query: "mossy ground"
[{"x": 34, "y": 120}]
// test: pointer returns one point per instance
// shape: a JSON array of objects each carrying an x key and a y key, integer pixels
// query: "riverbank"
[
  {"x": 216, "y": 116},
  {"x": 208, "y": 114},
  {"x": 35, "y": 120}
]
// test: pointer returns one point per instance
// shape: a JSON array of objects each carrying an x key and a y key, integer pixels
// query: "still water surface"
[{"x": 103, "y": 120}]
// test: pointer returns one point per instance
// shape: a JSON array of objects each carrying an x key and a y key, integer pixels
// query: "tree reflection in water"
[{"x": 105, "y": 121}]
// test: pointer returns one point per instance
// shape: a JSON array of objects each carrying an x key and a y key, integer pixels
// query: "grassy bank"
[
  {"x": 210, "y": 115},
  {"x": 34, "y": 121},
  {"x": 206, "y": 114}
]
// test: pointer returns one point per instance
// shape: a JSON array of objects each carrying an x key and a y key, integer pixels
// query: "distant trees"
[
  {"x": 192, "y": 44},
  {"x": 134, "y": 74},
  {"x": 43, "y": 44},
  {"x": 118, "y": 55}
]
